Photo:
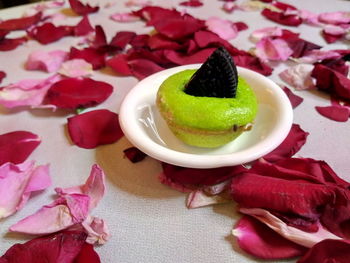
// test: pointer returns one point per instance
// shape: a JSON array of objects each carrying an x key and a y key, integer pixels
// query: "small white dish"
[{"x": 144, "y": 127}]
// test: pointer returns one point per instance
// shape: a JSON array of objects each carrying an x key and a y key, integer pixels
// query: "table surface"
[{"x": 149, "y": 222}]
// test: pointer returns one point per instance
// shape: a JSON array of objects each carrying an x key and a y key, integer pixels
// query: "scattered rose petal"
[
  {"x": 309, "y": 17},
  {"x": 16, "y": 146},
  {"x": 17, "y": 182},
  {"x": 142, "y": 68},
  {"x": 20, "y": 23},
  {"x": 91, "y": 129},
  {"x": 46, "y": 61},
  {"x": 92, "y": 55},
  {"x": 260, "y": 241},
  {"x": 259, "y": 34},
  {"x": 2, "y": 76},
  {"x": 48, "y": 33},
  {"x": 76, "y": 68},
  {"x": 282, "y": 17},
  {"x": 253, "y": 63},
  {"x": 7, "y": 44},
  {"x": 100, "y": 39},
  {"x": 87, "y": 255},
  {"x": 316, "y": 55},
  {"x": 181, "y": 59},
  {"x": 83, "y": 27},
  {"x": 329, "y": 250},
  {"x": 82, "y": 9},
  {"x": 61, "y": 247},
  {"x": 199, "y": 198},
  {"x": 298, "y": 76},
  {"x": 295, "y": 139},
  {"x": 97, "y": 230},
  {"x": 335, "y": 18},
  {"x": 122, "y": 38},
  {"x": 273, "y": 49},
  {"x": 28, "y": 92},
  {"x": 119, "y": 63},
  {"x": 74, "y": 93},
  {"x": 124, "y": 17},
  {"x": 229, "y": 7},
  {"x": 225, "y": 29},
  {"x": 192, "y": 3},
  {"x": 299, "y": 46},
  {"x": 332, "y": 33},
  {"x": 295, "y": 100},
  {"x": 141, "y": 3},
  {"x": 335, "y": 113},
  {"x": 134, "y": 154}
]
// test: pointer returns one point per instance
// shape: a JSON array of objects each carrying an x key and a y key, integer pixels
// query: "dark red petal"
[
  {"x": 182, "y": 59},
  {"x": 2, "y": 76},
  {"x": 94, "y": 56},
  {"x": 159, "y": 41},
  {"x": 91, "y": 129},
  {"x": 328, "y": 251},
  {"x": 122, "y": 38},
  {"x": 3, "y": 33},
  {"x": 20, "y": 23},
  {"x": 300, "y": 46},
  {"x": 331, "y": 38},
  {"x": 74, "y": 93},
  {"x": 8, "y": 44},
  {"x": 83, "y": 27},
  {"x": 60, "y": 247},
  {"x": 281, "y": 18},
  {"x": 100, "y": 37},
  {"x": 48, "y": 33},
  {"x": 192, "y": 3},
  {"x": 15, "y": 147},
  {"x": 141, "y": 68},
  {"x": 192, "y": 176},
  {"x": 153, "y": 14},
  {"x": 260, "y": 241},
  {"x": 82, "y": 9},
  {"x": 295, "y": 100},
  {"x": 87, "y": 255},
  {"x": 292, "y": 143},
  {"x": 283, "y": 6},
  {"x": 139, "y": 41},
  {"x": 241, "y": 26},
  {"x": 134, "y": 154},
  {"x": 119, "y": 63},
  {"x": 253, "y": 63},
  {"x": 331, "y": 81},
  {"x": 335, "y": 113}
]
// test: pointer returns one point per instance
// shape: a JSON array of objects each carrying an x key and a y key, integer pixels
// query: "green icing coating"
[{"x": 205, "y": 113}]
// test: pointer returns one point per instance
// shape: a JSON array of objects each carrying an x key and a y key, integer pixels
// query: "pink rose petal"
[
  {"x": 335, "y": 113},
  {"x": 332, "y": 33},
  {"x": 259, "y": 34},
  {"x": 273, "y": 49},
  {"x": 91, "y": 129},
  {"x": 82, "y": 9},
  {"x": 93, "y": 56},
  {"x": 134, "y": 154},
  {"x": 20, "y": 23},
  {"x": 97, "y": 230},
  {"x": 16, "y": 146},
  {"x": 73, "y": 93},
  {"x": 7, "y": 44},
  {"x": 17, "y": 182},
  {"x": 48, "y": 33},
  {"x": 46, "y": 61},
  {"x": 315, "y": 55},
  {"x": 2, "y": 76},
  {"x": 295, "y": 100},
  {"x": 298, "y": 76},
  {"x": 260, "y": 241},
  {"x": 335, "y": 18},
  {"x": 76, "y": 68},
  {"x": 282, "y": 17},
  {"x": 222, "y": 27},
  {"x": 124, "y": 17}
]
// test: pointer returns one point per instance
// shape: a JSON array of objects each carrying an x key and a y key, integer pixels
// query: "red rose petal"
[
  {"x": 15, "y": 147},
  {"x": 182, "y": 59},
  {"x": 91, "y": 129},
  {"x": 153, "y": 14},
  {"x": 192, "y": 3},
  {"x": 331, "y": 38},
  {"x": 159, "y": 41},
  {"x": 295, "y": 139},
  {"x": 48, "y": 33},
  {"x": 94, "y": 56},
  {"x": 20, "y": 23},
  {"x": 281, "y": 18},
  {"x": 122, "y": 38},
  {"x": 335, "y": 113},
  {"x": 253, "y": 63},
  {"x": 283, "y": 6},
  {"x": 3, "y": 33},
  {"x": 2, "y": 75},
  {"x": 331, "y": 81},
  {"x": 74, "y": 93},
  {"x": 241, "y": 26},
  {"x": 329, "y": 250},
  {"x": 119, "y": 63},
  {"x": 100, "y": 37},
  {"x": 260, "y": 241},
  {"x": 140, "y": 41},
  {"x": 87, "y": 254},
  {"x": 300, "y": 46},
  {"x": 141, "y": 68},
  {"x": 60, "y": 247},
  {"x": 83, "y": 27},
  {"x": 82, "y": 9},
  {"x": 8, "y": 44},
  {"x": 295, "y": 100},
  {"x": 134, "y": 154}
]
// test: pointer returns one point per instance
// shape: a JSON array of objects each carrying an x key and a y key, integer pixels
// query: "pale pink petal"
[
  {"x": 97, "y": 230},
  {"x": 94, "y": 187},
  {"x": 76, "y": 68},
  {"x": 29, "y": 92},
  {"x": 335, "y": 18},
  {"x": 222, "y": 27},
  {"x": 316, "y": 55},
  {"x": 140, "y": 3},
  {"x": 229, "y": 7},
  {"x": 61, "y": 214},
  {"x": 124, "y": 17},
  {"x": 298, "y": 76},
  {"x": 198, "y": 198},
  {"x": 46, "y": 61},
  {"x": 17, "y": 182},
  {"x": 309, "y": 17},
  {"x": 303, "y": 238},
  {"x": 259, "y": 34},
  {"x": 273, "y": 49},
  {"x": 334, "y": 30}
]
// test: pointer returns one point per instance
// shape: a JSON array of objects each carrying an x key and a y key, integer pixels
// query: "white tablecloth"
[{"x": 149, "y": 222}]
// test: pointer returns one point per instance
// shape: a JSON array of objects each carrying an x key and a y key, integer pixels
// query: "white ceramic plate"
[{"x": 144, "y": 127}]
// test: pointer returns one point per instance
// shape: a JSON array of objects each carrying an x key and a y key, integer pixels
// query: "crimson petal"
[
  {"x": 119, "y": 63},
  {"x": 192, "y": 3},
  {"x": 181, "y": 59},
  {"x": 74, "y": 93},
  {"x": 253, "y": 63},
  {"x": 83, "y": 27},
  {"x": 8, "y": 44},
  {"x": 134, "y": 154},
  {"x": 281, "y": 18},
  {"x": 20, "y": 23},
  {"x": 48, "y": 33},
  {"x": 295, "y": 100},
  {"x": 82, "y": 9},
  {"x": 87, "y": 255},
  {"x": 335, "y": 113},
  {"x": 329, "y": 250},
  {"x": 122, "y": 38},
  {"x": 100, "y": 37},
  {"x": 260, "y": 241},
  {"x": 94, "y": 56},
  {"x": 91, "y": 129},
  {"x": 142, "y": 68},
  {"x": 15, "y": 147},
  {"x": 2, "y": 75},
  {"x": 60, "y": 247},
  {"x": 295, "y": 139}
]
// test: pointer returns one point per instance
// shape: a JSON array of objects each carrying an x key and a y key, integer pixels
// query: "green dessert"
[{"x": 208, "y": 107}]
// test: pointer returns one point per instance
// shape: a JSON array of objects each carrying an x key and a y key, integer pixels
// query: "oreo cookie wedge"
[{"x": 217, "y": 77}]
